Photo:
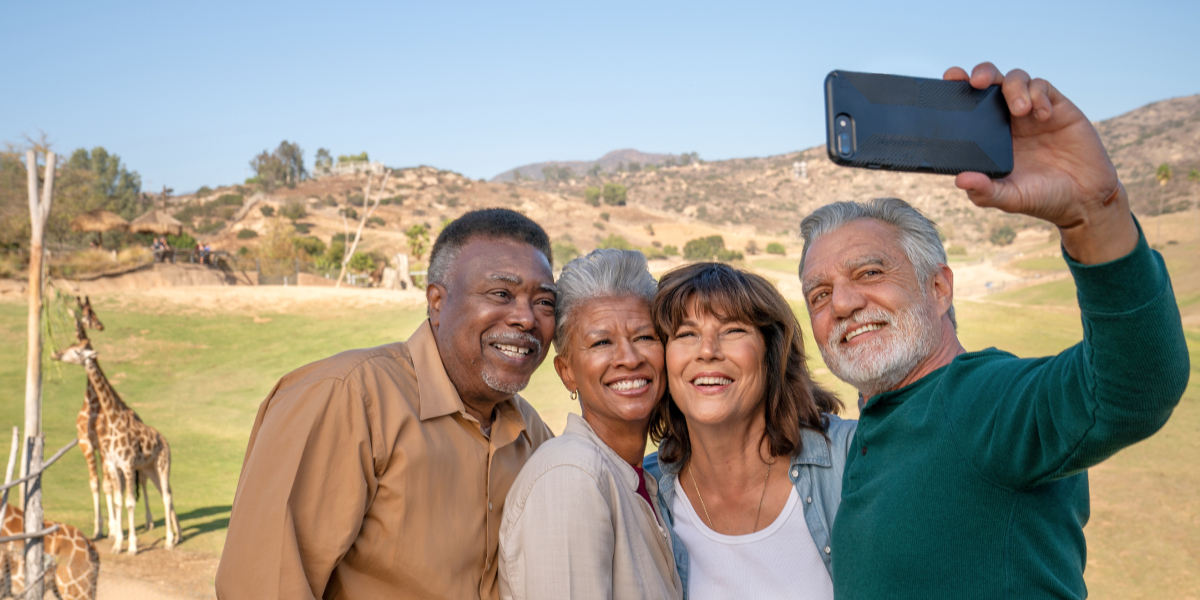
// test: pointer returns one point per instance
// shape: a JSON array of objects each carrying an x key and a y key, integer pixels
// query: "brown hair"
[{"x": 792, "y": 399}]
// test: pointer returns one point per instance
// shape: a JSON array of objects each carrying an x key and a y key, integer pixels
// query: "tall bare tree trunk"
[
  {"x": 39, "y": 209},
  {"x": 348, "y": 253}
]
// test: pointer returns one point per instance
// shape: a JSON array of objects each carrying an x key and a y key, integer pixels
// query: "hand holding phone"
[{"x": 913, "y": 124}]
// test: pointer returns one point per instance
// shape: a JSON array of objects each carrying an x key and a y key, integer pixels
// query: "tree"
[
  {"x": 591, "y": 195},
  {"x": 418, "y": 240},
  {"x": 563, "y": 252},
  {"x": 1002, "y": 235},
  {"x": 348, "y": 254},
  {"x": 117, "y": 189},
  {"x": 269, "y": 170},
  {"x": 595, "y": 170},
  {"x": 360, "y": 157},
  {"x": 323, "y": 162},
  {"x": 634, "y": 167},
  {"x": 776, "y": 248},
  {"x": 751, "y": 248},
  {"x": 615, "y": 241},
  {"x": 703, "y": 248},
  {"x": 614, "y": 194},
  {"x": 292, "y": 156}
]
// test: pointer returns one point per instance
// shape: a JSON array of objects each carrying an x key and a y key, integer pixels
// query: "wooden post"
[{"x": 39, "y": 210}]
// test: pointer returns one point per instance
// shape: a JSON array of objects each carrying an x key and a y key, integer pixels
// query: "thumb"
[{"x": 986, "y": 192}]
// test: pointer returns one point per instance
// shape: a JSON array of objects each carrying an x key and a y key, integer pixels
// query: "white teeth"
[
  {"x": 513, "y": 351},
  {"x": 712, "y": 381},
  {"x": 628, "y": 384},
  {"x": 862, "y": 330}
]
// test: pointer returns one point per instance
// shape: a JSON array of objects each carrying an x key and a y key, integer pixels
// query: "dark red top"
[{"x": 642, "y": 489}]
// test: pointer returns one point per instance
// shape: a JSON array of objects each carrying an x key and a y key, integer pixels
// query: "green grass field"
[
  {"x": 199, "y": 379},
  {"x": 784, "y": 265}
]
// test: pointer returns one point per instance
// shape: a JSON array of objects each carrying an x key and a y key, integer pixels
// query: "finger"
[
  {"x": 955, "y": 74},
  {"x": 1016, "y": 92},
  {"x": 1039, "y": 96},
  {"x": 986, "y": 192},
  {"x": 985, "y": 74}
]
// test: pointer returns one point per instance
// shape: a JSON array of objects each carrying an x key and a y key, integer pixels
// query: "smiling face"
[
  {"x": 494, "y": 318},
  {"x": 873, "y": 321},
  {"x": 614, "y": 358},
  {"x": 715, "y": 369}
]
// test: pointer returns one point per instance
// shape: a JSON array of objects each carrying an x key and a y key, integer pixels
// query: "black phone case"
[{"x": 920, "y": 125}]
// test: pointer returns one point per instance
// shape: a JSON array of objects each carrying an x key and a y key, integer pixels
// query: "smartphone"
[{"x": 918, "y": 125}]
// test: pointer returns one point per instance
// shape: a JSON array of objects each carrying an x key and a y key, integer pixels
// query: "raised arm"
[
  {"x": 302, "y": 494},
  {"x": 1039, "y": 420},
  {"x": 558, "y": 542}
]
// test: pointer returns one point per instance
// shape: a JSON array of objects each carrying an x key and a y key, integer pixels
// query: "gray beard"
[
  {"x": 881, "y": 364},
  {"x": 511, "y": 388}
]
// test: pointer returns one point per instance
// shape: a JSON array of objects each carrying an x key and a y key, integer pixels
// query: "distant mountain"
[{"x": 609, "y": 163}]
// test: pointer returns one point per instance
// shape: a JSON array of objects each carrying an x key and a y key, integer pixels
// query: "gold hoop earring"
[{"x": 574, "y": 395}]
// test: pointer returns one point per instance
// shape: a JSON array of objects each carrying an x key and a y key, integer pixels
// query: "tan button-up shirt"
[
  {"x": 366, "y": 478},
  {"x": 575, "y": 527}
]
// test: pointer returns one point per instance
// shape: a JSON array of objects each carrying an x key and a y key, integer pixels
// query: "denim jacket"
[{"x": 816, "y": 471}]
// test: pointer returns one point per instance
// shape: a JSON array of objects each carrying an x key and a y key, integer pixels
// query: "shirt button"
[
  {"x": 826, "y": 549},
  {"x": 864, "y": 450},
  {"x": 809, "y": 500},
  {"x": 795, "y": 472},
  {"x": 489, "y": 506}
]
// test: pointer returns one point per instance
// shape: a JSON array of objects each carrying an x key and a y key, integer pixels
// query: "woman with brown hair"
[{"x": 751, "y": 451}]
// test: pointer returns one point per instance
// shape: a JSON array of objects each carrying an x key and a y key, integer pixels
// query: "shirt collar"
[
  {"x": 439, "y": 397},
  {"x": 579, "y": 426},
  {"x": 814, "y": 449}
]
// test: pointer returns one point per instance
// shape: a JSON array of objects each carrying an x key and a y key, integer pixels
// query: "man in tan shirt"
[{"x": 383, "y": 472}]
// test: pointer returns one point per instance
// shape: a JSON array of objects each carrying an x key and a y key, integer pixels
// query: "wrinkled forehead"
[{"x": 849, "y": 247}]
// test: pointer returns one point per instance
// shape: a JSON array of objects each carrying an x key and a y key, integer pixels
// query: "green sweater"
[{"x": 972, "y": 482}]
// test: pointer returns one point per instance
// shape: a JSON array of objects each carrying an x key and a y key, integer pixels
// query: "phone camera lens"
[{"x": 844, "y": 147}]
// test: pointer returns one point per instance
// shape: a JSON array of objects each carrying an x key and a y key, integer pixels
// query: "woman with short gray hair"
[{"x": 581, "y": 519}]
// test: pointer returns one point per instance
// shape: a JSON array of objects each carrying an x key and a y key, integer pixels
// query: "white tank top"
[{"x": 777, "y": 562}]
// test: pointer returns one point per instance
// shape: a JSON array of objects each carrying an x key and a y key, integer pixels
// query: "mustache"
[
  {"x": 875, "y": 315},
  {"x": 514, "y": 336}
]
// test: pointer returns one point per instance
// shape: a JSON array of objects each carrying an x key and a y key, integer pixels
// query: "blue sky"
[{"x": 188, "y": 93}]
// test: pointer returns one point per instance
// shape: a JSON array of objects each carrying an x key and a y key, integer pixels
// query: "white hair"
[
  {"x": 605, "y": 273},
  {"x": 918, "y": 235}
]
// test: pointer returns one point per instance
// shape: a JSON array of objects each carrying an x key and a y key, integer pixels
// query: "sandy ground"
[{"x": 155, "y": 574}]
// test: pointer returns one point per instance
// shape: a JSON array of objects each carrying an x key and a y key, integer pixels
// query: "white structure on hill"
[{"x": 350, "y": 168}]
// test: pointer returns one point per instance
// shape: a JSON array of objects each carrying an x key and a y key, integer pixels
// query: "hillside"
[
  {"x": 609, "y": 162},
  {"x": 770, "y": 195}
]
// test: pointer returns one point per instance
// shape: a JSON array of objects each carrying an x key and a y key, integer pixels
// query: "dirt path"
[{"x": 155, "y": 574}]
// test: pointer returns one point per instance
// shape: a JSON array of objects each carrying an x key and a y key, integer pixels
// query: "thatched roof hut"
[
  {"x": 99, "y": 220},
  {"x": 156, "y": 221}
]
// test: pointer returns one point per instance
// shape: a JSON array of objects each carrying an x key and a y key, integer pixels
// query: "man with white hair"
[{"x": 967, "y": 477}]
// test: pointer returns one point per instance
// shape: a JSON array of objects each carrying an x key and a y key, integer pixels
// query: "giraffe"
[
  {"x": 127, "y": 446},
  {"x": 69, "y": 555},
  {"x": 87, "y": 423}
]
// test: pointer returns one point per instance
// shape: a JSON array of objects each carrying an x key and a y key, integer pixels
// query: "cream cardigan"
[{"x": 575, "y": 527}]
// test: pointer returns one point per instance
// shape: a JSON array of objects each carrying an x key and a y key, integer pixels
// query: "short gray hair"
[
  {"x": 918, "y": 235},
  {"x": 606, "y": 273}
]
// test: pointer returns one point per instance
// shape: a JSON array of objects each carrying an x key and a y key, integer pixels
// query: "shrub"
[
  {"x": 1002, "y": 235},
  {"x": 670, "y": 250},
  {"x": 361, "y": 263},
  {"x": 302, "y": 228},
  {"x": 243, "y": 251},
  {"x": 604, "y": 216},
  {"x": 229, "y": 200},
  {"x": 183, "y": 240},
  {"x": 615, "y": 241},
  {"x": 246, "y": 234},
  {"x": 310, "y": 245},
  {"x": 598, "y": 225},
  {"x": 329, "y": 200},
  {"x": 956, "y": 250},
  {"x": 209, "y": 226},
  {"x": 614, "y": 194},
  {"x": 563, "y": 252},
  {"x": 591, "y": 195},
  {"x": 729, "y": 255},
  {"x": 293, "y": 209},
  {"x": 376, "y": 221},
  {"x": 652, "y": 253},
  {"x": 267, "y": 210},
  {"x": 704, "y": 248},
  {"x": 203, "y": 191},
  {"x": 776, "y": 248},
  {"x": 751, "y": 248},
  {"x": 349, "y": 212}
]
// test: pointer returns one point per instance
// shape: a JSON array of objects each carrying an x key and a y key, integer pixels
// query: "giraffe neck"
[{"x": 110, "y": 401}]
